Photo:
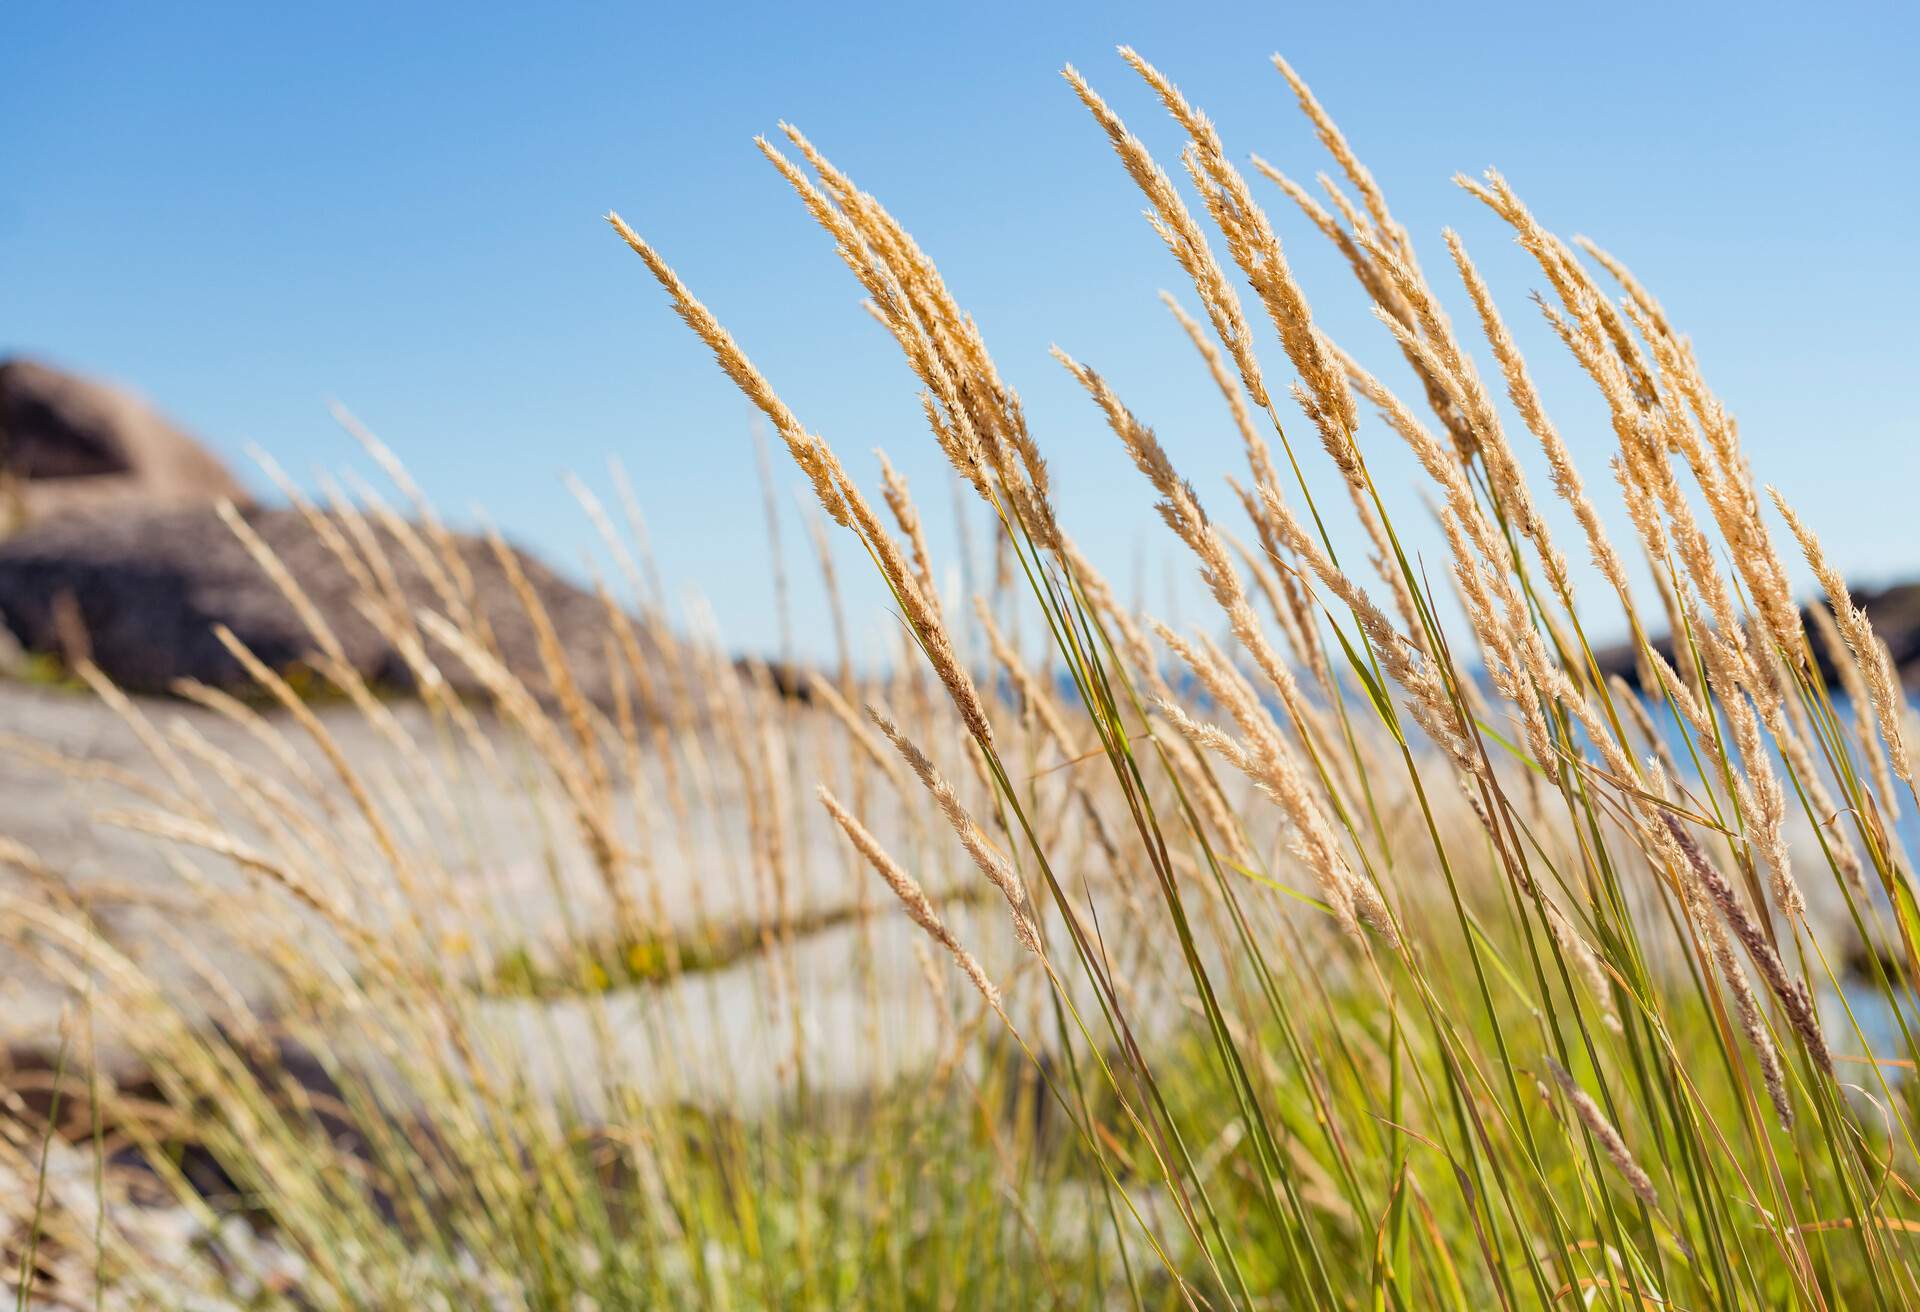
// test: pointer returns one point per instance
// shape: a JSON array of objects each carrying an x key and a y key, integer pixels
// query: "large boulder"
[
  {"x": 1894, "y": 612},
  {"x": 68, "y": 442},
  {"x": 140, "y": 589}
]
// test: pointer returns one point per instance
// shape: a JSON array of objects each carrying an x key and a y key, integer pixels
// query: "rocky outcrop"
[
  {"x": 1894, "y": 611},
  {"x": 140, "y": 590},
  {"x": 68, "y": 442}
]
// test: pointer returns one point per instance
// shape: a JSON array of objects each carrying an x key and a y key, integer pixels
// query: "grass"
[
  {"x": 597, "y": 964},
  {"x": 1382, "y": 953}
]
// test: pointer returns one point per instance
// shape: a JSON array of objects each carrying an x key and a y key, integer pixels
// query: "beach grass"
[{"x": 1368, "y": 946}]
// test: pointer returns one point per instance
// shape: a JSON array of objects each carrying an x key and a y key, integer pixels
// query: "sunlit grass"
[{"x": 1377, "y": 952}]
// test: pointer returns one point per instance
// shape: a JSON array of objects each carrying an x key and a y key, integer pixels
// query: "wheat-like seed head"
[
  {"x": 989, "y": 862},
  {"x": 1602, "y": 1129},
  {"x": 913, "y": 898}
]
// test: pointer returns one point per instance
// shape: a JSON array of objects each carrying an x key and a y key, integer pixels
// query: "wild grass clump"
[{"x": 1380, "y": 951}]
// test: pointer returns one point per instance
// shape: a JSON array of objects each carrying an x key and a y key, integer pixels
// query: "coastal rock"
[
  {"x": 1894, "y": 612},
  {"x": 68, "y": 442},
  {"x": 139, "y": 592}
]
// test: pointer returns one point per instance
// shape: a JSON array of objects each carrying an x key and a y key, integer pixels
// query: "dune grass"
[{"x": 1379, "y": 952}]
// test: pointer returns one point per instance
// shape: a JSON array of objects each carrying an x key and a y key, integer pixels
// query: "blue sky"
[{"x": 247, "y": 210}]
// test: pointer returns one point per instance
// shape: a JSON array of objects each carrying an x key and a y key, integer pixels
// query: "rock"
[
  {"x": 139, "y": 590},
  {"x": 1894, "y": 612},
  {"x": 68, "y": 442}
]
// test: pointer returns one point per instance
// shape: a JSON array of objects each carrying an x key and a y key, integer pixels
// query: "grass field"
[{"x": 1366, "y": 946}]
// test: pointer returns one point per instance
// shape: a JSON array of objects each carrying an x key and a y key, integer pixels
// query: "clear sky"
[{"x": 245, "y": 210}]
